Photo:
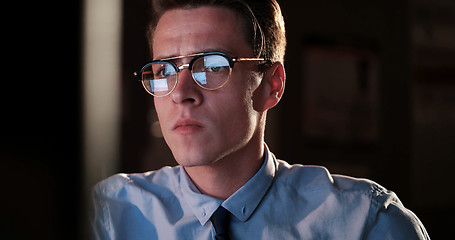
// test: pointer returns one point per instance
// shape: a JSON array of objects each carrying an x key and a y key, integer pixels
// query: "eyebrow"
[
  {"x": 182, "y": 56},
  {"x": 208, "y": 50}
]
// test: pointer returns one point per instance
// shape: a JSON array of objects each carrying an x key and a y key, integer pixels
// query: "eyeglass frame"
[{"x": 189, "y": 66}]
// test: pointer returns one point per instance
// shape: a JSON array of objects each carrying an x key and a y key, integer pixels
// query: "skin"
[{"x": 217, "y": 136}]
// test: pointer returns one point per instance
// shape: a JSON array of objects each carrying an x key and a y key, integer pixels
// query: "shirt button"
[
  {"x": 243, "y": 210},
  {"x": 204, "y": 213}
]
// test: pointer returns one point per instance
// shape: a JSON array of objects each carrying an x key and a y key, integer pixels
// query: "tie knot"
[{"x": 220, "y": 220}]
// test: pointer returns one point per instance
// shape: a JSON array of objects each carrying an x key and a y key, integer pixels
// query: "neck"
[{"x": 224, "y": 177}]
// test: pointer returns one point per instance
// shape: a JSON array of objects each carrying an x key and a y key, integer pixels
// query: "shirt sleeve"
[{"x": 394, "y": 221}]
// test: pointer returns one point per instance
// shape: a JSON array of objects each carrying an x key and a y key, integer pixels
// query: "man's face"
[{"x": 202, "y": 126}]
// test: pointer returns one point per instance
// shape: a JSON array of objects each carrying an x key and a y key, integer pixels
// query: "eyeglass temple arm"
[{"x": 262, "y": 60}]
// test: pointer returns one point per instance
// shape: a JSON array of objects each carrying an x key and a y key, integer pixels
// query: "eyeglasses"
[{"x": 210, "y": 71}]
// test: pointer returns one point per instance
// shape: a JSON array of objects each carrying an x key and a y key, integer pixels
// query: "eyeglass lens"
[{"x": 210, "y": 72}]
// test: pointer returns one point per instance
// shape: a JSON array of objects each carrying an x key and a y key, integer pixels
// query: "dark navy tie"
[{"x": 220, "y": 220}]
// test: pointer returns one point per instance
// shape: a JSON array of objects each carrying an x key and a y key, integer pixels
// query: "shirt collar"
[
  {"x": 203, "y": 206},
  {"x": 241, "y": 204},
  {"x": 245, "y": 200}
]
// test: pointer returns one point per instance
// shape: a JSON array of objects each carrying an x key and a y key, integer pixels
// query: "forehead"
[{"x": 187, "y": 31}]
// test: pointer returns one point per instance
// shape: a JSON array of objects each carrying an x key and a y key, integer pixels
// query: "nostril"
[
  {"x": 189, "y": 100},
  {"x": 187, "y": 94}
]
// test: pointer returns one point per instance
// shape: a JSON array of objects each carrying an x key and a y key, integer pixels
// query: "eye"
[
  {"x": 216, "y": 68},
  {"x": 162, "y": 73},
  {"x": 163, "y": 70},
  {"x": 215, "y": 64}
]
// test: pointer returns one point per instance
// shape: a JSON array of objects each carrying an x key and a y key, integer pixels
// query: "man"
[{"x": 217, "y": 70}]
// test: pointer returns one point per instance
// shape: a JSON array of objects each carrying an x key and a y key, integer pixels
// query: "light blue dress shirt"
[{"x": 281, "y": 201}]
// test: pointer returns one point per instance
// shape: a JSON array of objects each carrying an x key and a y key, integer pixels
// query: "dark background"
[{"x": 412, "y": 152}]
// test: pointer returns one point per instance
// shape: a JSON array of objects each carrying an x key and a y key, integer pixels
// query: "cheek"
[
  {"x": 247, "y": 99},
  {"x": 237, "y": 105},
  {"x": 243, "y": 85},
  {"x": 235, "y": 98},
  {"x": 157, "y": 106},
  {"x": 160, "y": 107}
]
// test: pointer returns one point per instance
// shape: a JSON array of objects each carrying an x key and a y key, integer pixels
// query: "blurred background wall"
[{"x": 370, "y": 93}]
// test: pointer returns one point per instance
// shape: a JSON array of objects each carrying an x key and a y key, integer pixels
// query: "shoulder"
[
  {"x": 346, "y": 190},
  {"x": 308, "y": 177},
  {"x": 384, "y": 215},
  {"x": 136, "y": 199},
  {"x": 119, "y": 185}
]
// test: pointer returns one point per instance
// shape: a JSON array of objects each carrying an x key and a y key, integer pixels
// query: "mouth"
[{"x": 187, "y": 126}]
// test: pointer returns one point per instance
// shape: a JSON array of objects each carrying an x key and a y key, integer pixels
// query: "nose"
[{"x": 186, "y": 91}]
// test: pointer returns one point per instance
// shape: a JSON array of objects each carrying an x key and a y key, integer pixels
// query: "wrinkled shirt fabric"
[{"x": 281, "y": 201}]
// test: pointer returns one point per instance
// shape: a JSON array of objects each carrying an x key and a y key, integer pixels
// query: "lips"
[{"x": 187, "y": 126}]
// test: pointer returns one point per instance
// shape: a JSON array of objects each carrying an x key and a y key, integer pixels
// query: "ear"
[{"x": 274, "y": 80}]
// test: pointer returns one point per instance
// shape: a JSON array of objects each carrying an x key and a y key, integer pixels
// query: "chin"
[
  {"x": 190, "y": 162},
  {"x": 197, "y": 157},
  {"x": 191, "y": 159}
]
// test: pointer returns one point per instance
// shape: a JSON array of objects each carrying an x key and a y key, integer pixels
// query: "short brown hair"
[{"x": 263, "y": 21}]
